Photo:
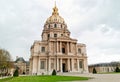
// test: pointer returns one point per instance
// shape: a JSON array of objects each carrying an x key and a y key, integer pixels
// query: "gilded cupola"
[{"x": 55, "y": 26}]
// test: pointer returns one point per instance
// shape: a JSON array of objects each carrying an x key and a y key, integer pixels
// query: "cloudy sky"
[{"x": 93, "y": 22}]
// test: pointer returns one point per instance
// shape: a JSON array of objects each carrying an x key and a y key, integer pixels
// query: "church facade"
[{"x": 57, "y": 50}]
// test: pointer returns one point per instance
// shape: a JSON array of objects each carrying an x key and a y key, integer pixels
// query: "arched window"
[{"x": 55, "y": 25}]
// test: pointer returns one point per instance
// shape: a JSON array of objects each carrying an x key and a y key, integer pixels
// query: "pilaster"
[
  {"x": 60, "y": 47},
  {"x": 67, "y": 48},
  {"x": 72, "y": 60},
  {"x": 61, "y": 65},
  {"x": 49, "y": 64},
  {"x": 68, "y": 64},
  {"x": 57, "y": 64},
  {"x": 78, "y": 65},
  {"x": 57, "y": 47},
  {"x": 35, "y": 65},
  {"x": 38, "y": 64},
  {"x": 85, "y": 66}
]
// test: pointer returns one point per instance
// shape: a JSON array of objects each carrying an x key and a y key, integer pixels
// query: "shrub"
[
  {"x": 94, "y": 71},
  {"x": 117, "y": 69},
  {"x": 16, "y": 73},
  {"x": 54, "y": 72}
]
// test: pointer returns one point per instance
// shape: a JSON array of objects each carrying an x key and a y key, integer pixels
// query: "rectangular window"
[
  {"x": 55, "y": 25},
  {"x": 80, "y": 64},
  {"x": 48, "y": 36},
  {"x": 79, "y": 50},
  {"x": 55, "y": 35},
  {"x": 52, "y": 65},
  {"x": 42, "y": 65},
  {"x": 63, "y": 50},
  {"x": 43, "y": 49},
  {"x": 75, "y": 65}
]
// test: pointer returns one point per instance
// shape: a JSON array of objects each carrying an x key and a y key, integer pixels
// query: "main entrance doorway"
[
  {"x": 64, "y": 68},
  {"x": 64, "y": 65}
]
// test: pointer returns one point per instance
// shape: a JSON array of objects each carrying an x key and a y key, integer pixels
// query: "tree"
[
  {"x": 117, "y": 69},
  {"x": 94, "y": 71},
  {"x": 54, "y": 72},
  {"x": 5, "y": 61},
  {"x": 16, "y": 73}
]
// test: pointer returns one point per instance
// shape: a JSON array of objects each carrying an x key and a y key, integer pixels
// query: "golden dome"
[{"x": 55, "y": 18}]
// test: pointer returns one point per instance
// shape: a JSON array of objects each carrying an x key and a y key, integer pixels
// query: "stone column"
[
  {"x": 49, "y": 64},
  {"x": 75, "y": 49},
  {"x": 54, "y": 63},
  {"x": 78, "y": 64},
  {"x": 49, "y": 49},
  {"x": 61, "y": 65},
  {"x": 35, "y": 65},
  {"x": 57, "y": 64},
  {"x": 71, "y": 46},
  {"x": 72, "y": 60},
  {"x": 46, "y": 64},
  {"x": 68, "y": 64},
  {"x": 60, "y": 47},
  {"x": 57, "y": 47},
  {"x": 39, "y": 65},
  {"x": 85, "y": 65},
  {"x": 67, "y": 48}
]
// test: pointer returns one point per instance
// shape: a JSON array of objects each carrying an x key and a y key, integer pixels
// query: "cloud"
[
  {"x": 101, "y": 43},
  {"x": 93, "y": 22}
]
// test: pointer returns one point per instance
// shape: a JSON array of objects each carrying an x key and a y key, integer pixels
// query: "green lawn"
[{"x": 43, "y": 79}]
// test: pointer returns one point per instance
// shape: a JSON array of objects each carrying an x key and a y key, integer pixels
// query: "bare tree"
[{"x": 5, "y": 61}]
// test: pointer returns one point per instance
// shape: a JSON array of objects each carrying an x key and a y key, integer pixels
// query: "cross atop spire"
[
  {"x": 55, "y": 10},
  {"x": 55, "y": 3}
]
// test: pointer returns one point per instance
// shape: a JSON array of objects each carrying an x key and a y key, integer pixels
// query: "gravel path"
[{"x": 98, "y": 77}]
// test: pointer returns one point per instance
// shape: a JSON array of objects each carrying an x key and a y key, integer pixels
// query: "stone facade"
[
  {"x": 104, "y": 67},
  {"x": 22, "y": 65},
  {"x": 57, "y": 50}
]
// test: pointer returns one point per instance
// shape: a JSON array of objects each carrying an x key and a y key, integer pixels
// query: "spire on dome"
[
  {"x": 55, "y": 10},
  {"x": 55, "y": 3}
]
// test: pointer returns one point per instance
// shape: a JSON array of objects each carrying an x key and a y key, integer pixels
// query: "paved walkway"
[{"x": 98, "y": 77}]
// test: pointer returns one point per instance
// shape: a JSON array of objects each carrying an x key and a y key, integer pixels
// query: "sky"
[{"x": 95, "y": 23}]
